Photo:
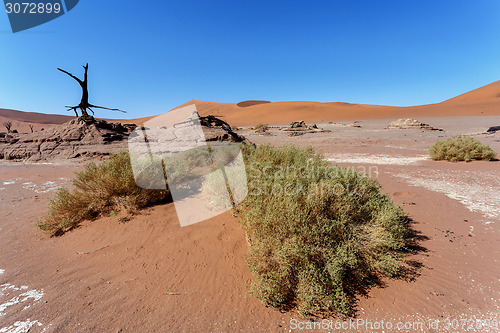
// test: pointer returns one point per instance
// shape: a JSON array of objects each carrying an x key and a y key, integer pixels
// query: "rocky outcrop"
[
  {"x": 300, "y": 127},
  {"x": 80, "y": 137},
  {"x": 87, "y": 137},
  {"x": 223, "y": 134},
  {"x": 411, "y": 123},
  {"x": 216, "y": 129}
]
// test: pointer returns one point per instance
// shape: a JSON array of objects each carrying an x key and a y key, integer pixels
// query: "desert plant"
[
  {"x": 317, "y": 233},
  {"x": 461, "y": 148},
  {"x": 261, "y": 127},
  {"x": 98, "y": 189}
]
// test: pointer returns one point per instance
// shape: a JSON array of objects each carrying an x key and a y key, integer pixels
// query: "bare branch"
[
  {"x": 102, "y": 107},
  {"x": 74, "y": 77},
  {"x": 73, "y": 108}
]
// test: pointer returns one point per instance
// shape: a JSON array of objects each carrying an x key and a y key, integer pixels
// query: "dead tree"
[
  {"x": 8, "y": 125},
  {"x": 84, "y": 103},
  {"x": 31, "y": 128}
]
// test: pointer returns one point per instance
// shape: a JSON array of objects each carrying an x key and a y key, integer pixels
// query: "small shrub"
[
  {"x": 317, "y": 233},
  {"x": 98, "y": 189},
  {"x": 261, "y": 127},
  {"x": 461, "y": 148}
]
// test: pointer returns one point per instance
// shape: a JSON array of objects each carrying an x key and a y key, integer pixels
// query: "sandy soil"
[{"x": 147, "y": 274}]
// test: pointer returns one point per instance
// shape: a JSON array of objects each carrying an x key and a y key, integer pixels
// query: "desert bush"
[
  {"x": 261, "y": 127},
  {"x": 461, "y": 148},
  {"x": 317, "y": 233},
  {"x": 98, "y": 189}
]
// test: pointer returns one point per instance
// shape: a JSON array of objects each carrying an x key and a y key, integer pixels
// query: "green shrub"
[
  {"x": 317, "y": 233},
  {"x": 98, "y": 189},
  {"x": 261, "y": 127},
  {"x": 461, "y": 148}
]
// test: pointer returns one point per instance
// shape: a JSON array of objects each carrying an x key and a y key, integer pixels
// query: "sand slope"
[
  {"x": 280, "y": 113},
  {"x": 21, "y": 120},
  {"x": 489, "y": 93}
]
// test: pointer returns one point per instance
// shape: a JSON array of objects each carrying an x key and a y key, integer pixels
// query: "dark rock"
[
  {"x": 493, "y": 129},
  {"x": 298, "y": 124}
]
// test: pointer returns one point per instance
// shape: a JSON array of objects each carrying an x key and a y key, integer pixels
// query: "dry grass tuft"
[
  {"x": 461, "y": 148},
  {"x": 100, "y": 189}
]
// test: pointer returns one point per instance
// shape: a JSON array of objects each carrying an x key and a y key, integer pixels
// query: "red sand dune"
[
  {"x": 21, "y": 120},
  {"x": 481, "y": 101},
  {"x": 486, "y": 94}
]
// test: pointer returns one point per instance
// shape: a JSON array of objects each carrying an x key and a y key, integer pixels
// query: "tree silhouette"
[{"x": 84, "y": 103}]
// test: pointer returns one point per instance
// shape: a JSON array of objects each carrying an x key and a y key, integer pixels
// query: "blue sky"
[{"x": 149, "y": 56}]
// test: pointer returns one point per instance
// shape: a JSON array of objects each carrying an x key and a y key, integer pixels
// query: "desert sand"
[
  {"x": 144, "y": 273},
  {"x": 21, "y": 121}
]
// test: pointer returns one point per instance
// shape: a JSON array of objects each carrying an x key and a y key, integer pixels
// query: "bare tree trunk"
[{"x": 84, "y": 103}]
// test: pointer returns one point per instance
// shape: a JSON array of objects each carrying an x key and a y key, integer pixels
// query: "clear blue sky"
[{"x": 149, "y": 56}]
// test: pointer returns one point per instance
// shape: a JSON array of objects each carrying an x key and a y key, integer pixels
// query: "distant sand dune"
[
  {"x": 486, "y": 94},
  {"x": 481, "y": 101},
  {"x": 21, "y": 120}
]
